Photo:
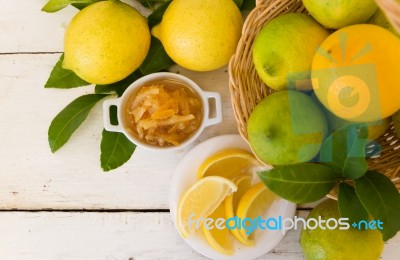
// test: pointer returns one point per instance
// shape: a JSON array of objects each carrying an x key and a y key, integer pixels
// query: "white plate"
[{"x": 185, "y": 176}]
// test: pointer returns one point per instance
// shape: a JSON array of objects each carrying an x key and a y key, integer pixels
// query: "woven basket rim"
[{"x": 242, "y": 74}]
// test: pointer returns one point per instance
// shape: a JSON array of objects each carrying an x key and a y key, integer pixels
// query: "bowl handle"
[
  {"x": 107, "y": 104},
  {"x": 218, "y": 108}
]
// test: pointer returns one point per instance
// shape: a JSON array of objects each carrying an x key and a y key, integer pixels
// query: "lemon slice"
[
  {"x": 228, "y": 163},
  {"x": 254, "y": 203},
  {"x": 219, "y": 239},
  {"x": 200, "y": 200},
  {"x": 231, "y": 202}
]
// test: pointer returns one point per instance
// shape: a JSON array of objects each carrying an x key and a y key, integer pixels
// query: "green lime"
[{"x": 336, "y": 244}]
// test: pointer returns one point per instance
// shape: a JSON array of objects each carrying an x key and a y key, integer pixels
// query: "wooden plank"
[
  {"x": 63, "y": 235},
  {"x": 33, "y": 178},
  {"x": 25, "y": 28}
]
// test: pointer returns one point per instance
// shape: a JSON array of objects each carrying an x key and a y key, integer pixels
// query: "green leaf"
[
  {"x": 157, "y": 59},
  {"x": 238, "y": 3},
  {"x": 152, "y": 4},
  {"x": 344, "y": 151},
  {"x": 350, "y": 205},
  {"x": 62, "y": 78},
  {"x": 382, "y": 200},
  {"x": 56, "y": 5},
  {"x": 80, "y": 6},
  {"x": 300, "y": 183},
  {"x": 116, "y": 150},
  {"x": 156, "y": 17},
  {"x": 248, "y": 4},
  {"x": 69, "y": 119},
  {"x": 118, "y": 87}
]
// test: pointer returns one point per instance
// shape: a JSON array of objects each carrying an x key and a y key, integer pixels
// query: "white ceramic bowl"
[
  {"x": 186, "y": 175},
  {"x": 120, "y": 104}
]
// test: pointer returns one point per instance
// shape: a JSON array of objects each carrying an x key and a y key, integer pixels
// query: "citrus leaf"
[
  {"x": 350, "y": 205},
  {"x": 69, "y": 119},
  {"x": 56, "y": 5},
  {"x": 300, "y": 183},
  {"x": 62, "y": 78},
  {"x": 238, "y": 3},
  {"x": 157, "y": 59},
  {"x": 118, "y": 87},
  {"x": 248, "y": 4},
  {"x": 344, "y": 151},
  {"x": 156, "y": 16},
  {"x": 382, "y": 200},
  {"x": 84, "y": 3},
  {"x": 116, "y": 150},
  {"x": 152, "y": 3}
]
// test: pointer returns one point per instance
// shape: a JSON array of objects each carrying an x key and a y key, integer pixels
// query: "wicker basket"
[
  {"x": 247, "y": 89},
  {"x": 392, "y": 11}
]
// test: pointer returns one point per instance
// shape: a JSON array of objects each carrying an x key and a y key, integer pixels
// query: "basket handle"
[{"x": 391, "y": 8}]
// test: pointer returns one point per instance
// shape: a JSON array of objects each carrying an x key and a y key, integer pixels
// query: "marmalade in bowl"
[{"x": 164, "y": 113}]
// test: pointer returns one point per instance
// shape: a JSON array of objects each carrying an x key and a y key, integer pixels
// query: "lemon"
[
  {"x": 219, "y": 239},
  {"x": 200, "y": 200},
  {"x": 351, "y": 76},
  {"x": 228, "y": 163},
  {"x": 105, "y": 42},
  {"x": 254, "y": 203},
  {"x": 200, "y": 35},
  {"x": 336, "y": 244},
  {"x": 231, "y": 202}
]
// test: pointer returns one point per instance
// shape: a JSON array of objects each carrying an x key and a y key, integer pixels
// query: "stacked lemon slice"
[{"x": 223, "y": 191}]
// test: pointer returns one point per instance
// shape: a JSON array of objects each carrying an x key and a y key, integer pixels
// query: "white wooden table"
[{"x": 62, "y": 206}]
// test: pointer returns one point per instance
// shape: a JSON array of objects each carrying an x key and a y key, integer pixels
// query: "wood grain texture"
[
  {"x": 31, "y": 178},
  {"x": 105, "y": 236},
  {"x": 34, "y": 178},
  {"x": 62, "y": 235}
]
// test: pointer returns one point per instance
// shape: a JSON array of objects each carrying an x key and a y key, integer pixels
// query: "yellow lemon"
[
  {"x": 228, "y": 163},
  {"x": 355, "y": 73},
  {"x": 254, "y": 203},
  {"x": 231, "y": 203},
  {"x": 105, "y": 42},
  {"x": 200, "y": 200},
  {"x": 218, "y": 236},
  {"x": 200, "y": 35}
]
